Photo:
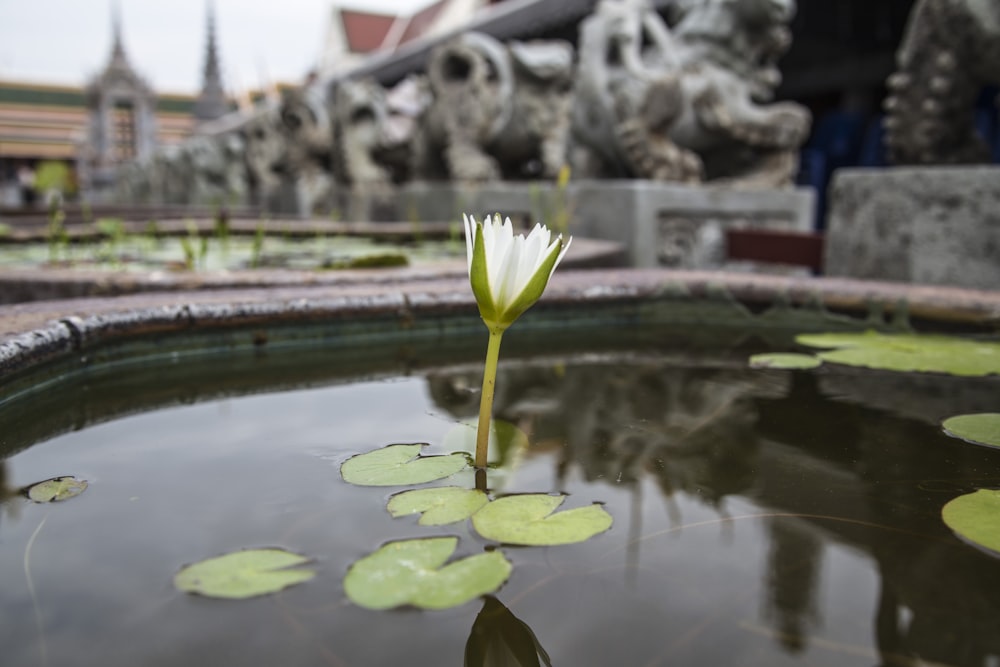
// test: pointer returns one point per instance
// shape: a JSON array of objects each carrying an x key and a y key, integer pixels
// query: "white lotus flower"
[{"x": 509, "y": 273}]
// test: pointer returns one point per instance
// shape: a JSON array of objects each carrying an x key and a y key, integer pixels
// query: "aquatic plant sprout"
[{"x": 508, "y": 274}]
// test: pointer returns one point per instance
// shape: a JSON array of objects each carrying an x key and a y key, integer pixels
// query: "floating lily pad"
[
  {"x": 529, "y": 520},
  {"x": 413, "y": 572},
  {"x": 399, "y": 465},
  {"x": 982, "y": 428},
  {"x": 243, "y": 574},
  {"x": 56, "y": 489},
  {"x": 908, "y": 352},
  {"x": 976, "y": 518},
  {"x": 785, "y": 360},
  {"x": 439, "y": 506}
]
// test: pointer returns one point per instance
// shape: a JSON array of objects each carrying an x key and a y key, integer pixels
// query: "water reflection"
[
  {"x": 7, "y": 493},
  {"x": 500, "y": 639},
  {"x": 792, "y": 580},
  {"x": 691, "y": 429},
  {"x": 829, "y": 485},
  {"x": 827, "y": 469}
]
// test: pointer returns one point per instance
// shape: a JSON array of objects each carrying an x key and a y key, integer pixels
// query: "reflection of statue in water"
[
  {"x": 500, "y": 638},
  {"x": 951, "y": 49},
  {"x": 690, "y": 428},
  {"x": 860, "y": 481},
  {"x": 824, "y": 470},
  {"x": 8, "y": 493},
  {"x": 689, "y": 103},
  {"x": 794, "y": 566}
]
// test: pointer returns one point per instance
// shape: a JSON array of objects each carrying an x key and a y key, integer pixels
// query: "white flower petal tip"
[{"x": 509, "y": 272}]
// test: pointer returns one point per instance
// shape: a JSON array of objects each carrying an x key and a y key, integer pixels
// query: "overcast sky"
[{"x": 69, "y": 41}]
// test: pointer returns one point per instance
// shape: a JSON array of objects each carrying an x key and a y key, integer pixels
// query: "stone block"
[
  {"x": 659, "y": 224},
  {"x": 929, "y": 225}
]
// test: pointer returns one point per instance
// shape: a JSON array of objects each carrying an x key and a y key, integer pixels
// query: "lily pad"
[
  {"x": 785, "y": 360},
  {"x": 56, "y": 489},
  {"x": 243, "y": 574},
  {"x": 529, "y": 520},
  {"x": 413, "y": 572},
  {"x": 982, "y": 428},
  {"x": 908, "y": 352},
  {"x": 438, "y": 506},
  {"x": 976, "y": 517},
  {"x": 399, "y": 465}
]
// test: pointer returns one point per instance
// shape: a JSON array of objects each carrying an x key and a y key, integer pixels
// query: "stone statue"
[
  {"x": 175, "y": 175},
  {"x": 371, "y": 150},
  {"x": 264, "y": 154},
  {"x": 306, "y": 162},
  {"x": 499, "y": 111},
  {"x": 233, "y": 149},
  {"x": 217, "y": 169},
  {"x": 688, "y": 103},
  {"x": 950, "y": 50},
  {"x": 133, "y": 182}
]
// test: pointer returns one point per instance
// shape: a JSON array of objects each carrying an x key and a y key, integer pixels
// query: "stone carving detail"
[
  {"x": 176, "y": 177},
  {"x": 307, "y": 157},
  {"x": 688, "y": 103},
  {"x": 264, "y": 152},
  {"x": 498, "y": 111},
  {"x": 951, "y": 49},
  {"x": 689, "y": 243},
  {"x": 216, "y": 167},
  {"x": 685, "y": 100},
  {"x": 373, "y": 130}
]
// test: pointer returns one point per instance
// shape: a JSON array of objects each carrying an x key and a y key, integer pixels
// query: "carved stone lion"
[
  {"x": 264, "y": 154},
  {"x": 288, "y": 153},
  {"x": 498, "y": 111},
  {"x": 307, "y": 159},
  {"x": 951, "y": 49},
  {"x": 688, "y": 103},
  {"x": 373, "y": 130},
  {"x": 218, "y": 174}
]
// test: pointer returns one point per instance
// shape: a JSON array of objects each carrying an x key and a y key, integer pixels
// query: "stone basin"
[
  {"x": 229, "y": 449},
  {"x": 33, "y": 333}
]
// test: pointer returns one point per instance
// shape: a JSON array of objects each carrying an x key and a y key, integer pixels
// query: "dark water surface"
[{"x": 761, "y": 517}]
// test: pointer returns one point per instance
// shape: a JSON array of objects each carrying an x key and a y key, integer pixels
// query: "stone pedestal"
[
  {"x": 931, "y": 225},
  {"x": 659, "y": 224}
]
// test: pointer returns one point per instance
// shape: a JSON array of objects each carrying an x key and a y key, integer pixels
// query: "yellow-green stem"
[{"x": 486, "y": 402}]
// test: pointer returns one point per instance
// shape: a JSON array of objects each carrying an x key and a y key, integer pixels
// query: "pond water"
[
  {"x": 135, "y": 252},
  {"x": 761, "y": 517}
]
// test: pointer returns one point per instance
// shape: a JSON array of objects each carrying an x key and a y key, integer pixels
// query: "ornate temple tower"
[
  {"x": 211, "y": 102},
  {"x": 121, "y": 123}
]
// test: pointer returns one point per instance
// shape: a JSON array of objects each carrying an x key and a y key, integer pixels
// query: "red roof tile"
[{"x": 365, "y": 32}]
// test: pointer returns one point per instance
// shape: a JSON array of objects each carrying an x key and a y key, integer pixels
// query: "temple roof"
[
  {"x": 118, "y": 73},
  {"x": 212, "y": 101}
]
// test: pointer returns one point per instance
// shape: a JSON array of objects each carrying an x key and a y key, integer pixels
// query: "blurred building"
[
  {"x": 115, "y": 118},
  {"x": 354, "y": 35},
  {"x": 121, "y": 120},
  {"x": 40, "y": 122}
]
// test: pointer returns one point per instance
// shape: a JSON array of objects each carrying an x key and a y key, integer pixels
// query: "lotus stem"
[{"x": 486, "y": 401}]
